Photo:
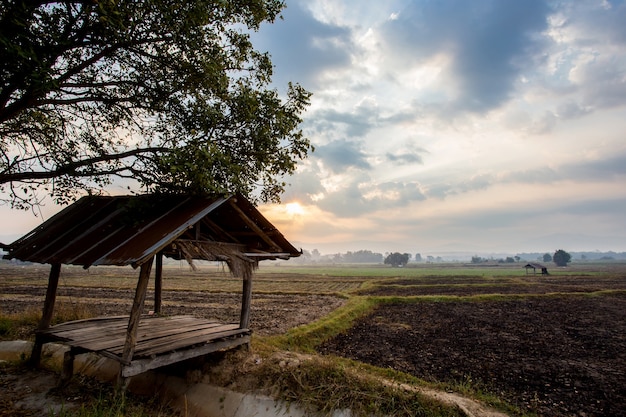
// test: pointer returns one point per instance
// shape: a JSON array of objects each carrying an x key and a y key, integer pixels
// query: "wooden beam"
[
  {"x": 247, "y": 220},
  {"x": 48, "y": 311},
  {"x": 133, "y": 322},
  {"x": 218, "y": 230},
  {"x": 51, "y": 294},
  {"x": 143, "y": 365},
  {"x": 158, "y": 282},
  {"x": 246, "y": 300}
]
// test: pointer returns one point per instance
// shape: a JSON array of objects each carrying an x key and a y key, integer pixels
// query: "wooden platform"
[{"x": 160, "y": 340}]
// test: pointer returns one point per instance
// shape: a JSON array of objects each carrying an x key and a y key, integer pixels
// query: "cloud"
[
  {"x": 304, "y": 186},
  {"x": 585, "y": 62},
  {"x": 542, "y": 175},
  {"x": 340, "y": 155},
  {"x": 602, "y": 21},
  {"x": 603, "y": 84},
  {"x": 543, "y": 216},
  {"x": 362, "y": 196},
  {"x": 489, "y": 44},
  {"x": 302, "y": 47},
  {"x": 572, "y": 110},
  {"x": 461, "y": 186},
  {"x": 611, "y": 168},
  {"x": 605, "y": 169},
  {"x": 408, "y": 153},
  {"x": 404, "y": 158},
  {"x": 355, "y": 123}
]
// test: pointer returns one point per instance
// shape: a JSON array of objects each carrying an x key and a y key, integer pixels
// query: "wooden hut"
[
  {"x": 534, "y": 267},
  {"x": 136, "y": 230}
]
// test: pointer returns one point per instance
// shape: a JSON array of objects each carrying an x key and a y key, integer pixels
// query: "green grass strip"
[{"x": 305, "y": 338}]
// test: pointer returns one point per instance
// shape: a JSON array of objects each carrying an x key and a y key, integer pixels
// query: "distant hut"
[
  {"x": 535, "y": 267},
  {"x": 137, "y": 230}
]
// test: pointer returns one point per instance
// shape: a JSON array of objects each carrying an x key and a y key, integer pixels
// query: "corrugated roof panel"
[
  {"x": 44, "y": 242},
  {"x": 98, "y": 230},
  {"x": 129, "y": 222},
  {"x": 159, "y": 233}
]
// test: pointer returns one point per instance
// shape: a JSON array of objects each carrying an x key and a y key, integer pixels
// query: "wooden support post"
[
  {"x": 246, "y": 299},
  {"x": 48, "y": 310},
  {"x": 133, "y": 321},
  {"x": 68, "y": 366},
  {"x": 158, "y": 283}
]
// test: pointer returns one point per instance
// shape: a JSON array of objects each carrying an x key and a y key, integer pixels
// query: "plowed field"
[{"x": 557, "y": 347}]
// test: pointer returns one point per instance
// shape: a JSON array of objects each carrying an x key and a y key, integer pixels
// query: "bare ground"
[
  {"x": 27, "y": 392},
  {"x": 270, "y": 313},
  {"x": 554, "y": 355},
  {"x": 556, "y": 347}
]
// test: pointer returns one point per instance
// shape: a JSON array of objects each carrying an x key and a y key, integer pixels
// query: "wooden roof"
[
  {"x": 129, "y": 230},
  {"x": 534, "y": 265}
]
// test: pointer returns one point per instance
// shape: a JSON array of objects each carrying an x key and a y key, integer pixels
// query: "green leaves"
[{"x": 169, "y": 94}]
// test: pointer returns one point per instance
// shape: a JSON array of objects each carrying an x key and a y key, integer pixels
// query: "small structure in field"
[
  {"x": 534, "y": 267},
  {"x": 140, "y": 231}
]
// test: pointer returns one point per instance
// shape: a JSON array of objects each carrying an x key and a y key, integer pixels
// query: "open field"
[
  {"x": 279, "y": 302},
  {"x": 551, "y": 345}
]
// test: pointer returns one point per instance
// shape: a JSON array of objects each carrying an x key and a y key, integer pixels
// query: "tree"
[
  {"x": 418, "y": 257},
  {"x": 169, "y": 94},
  {"x": 477, "y": 259},
  {"x": 561, "y": 258},
  {"x": 396, "y": 259},
  {"x": 547, "y": 257}
]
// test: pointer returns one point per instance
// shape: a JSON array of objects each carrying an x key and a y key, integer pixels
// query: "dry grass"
[
  {"x": 21, "y": 326},
  {"x": 208, "y": 278}
]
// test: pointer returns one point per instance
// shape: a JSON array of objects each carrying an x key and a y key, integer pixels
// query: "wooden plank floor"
[{"x": 156, "y": 335}]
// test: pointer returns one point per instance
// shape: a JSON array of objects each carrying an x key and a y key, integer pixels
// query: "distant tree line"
[
  {"x": 578, "y": 256},
  {"x": 508, "y": 260},
  {"x": 360, "y": 256},
  {"x": 401, "y": 259}
]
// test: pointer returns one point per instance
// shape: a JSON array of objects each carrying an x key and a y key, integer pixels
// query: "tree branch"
[{"x": 72, "y": 167}]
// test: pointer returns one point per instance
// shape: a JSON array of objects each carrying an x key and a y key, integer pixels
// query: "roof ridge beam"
[{"x": 248, "y": 221}]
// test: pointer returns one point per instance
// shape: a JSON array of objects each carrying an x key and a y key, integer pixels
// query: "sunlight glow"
[{"x": 294, "y": 209}]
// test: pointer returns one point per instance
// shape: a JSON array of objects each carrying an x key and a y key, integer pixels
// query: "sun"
[{"x": 294, "y": 209}]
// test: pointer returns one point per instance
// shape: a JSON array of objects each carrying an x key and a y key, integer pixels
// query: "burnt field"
[
  {"x": 554, "y": 346},
  {"x": 551, "y": 345}
]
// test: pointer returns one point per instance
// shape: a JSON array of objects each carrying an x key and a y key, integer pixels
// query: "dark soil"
[{"x": 555, "y": 356}]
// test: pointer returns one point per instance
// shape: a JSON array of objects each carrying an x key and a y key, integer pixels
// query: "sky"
[{"x": 483, "y": 126}]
